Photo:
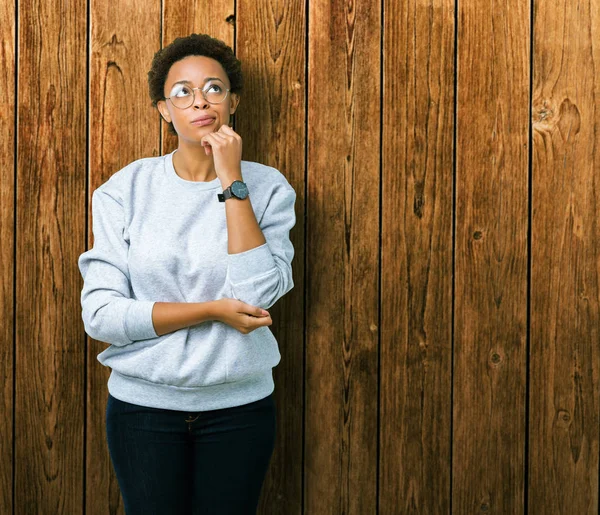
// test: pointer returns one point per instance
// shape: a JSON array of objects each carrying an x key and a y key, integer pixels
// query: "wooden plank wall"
[
  {"x": 565, "y": 259},
  {"x": 7, "y": 250},
  {"x": 440, "y": 347},
  {"x": 48, "y": 434}
]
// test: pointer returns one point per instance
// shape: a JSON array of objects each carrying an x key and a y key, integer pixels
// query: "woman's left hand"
[{"x": 226, "y": 147}]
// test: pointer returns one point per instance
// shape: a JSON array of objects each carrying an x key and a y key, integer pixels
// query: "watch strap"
[{"x": 225, "y": 195}]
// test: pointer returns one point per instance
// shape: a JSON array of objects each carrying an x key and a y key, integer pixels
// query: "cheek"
[{"x": 177, "y": 121}]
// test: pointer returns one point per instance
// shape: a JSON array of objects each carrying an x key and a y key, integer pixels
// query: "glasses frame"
[{"x": 201, "y": 88}]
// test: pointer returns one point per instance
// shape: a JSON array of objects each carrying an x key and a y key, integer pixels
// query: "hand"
[
  {"x": 241, "y": 316},
  {"x": 226, "y": 147}
]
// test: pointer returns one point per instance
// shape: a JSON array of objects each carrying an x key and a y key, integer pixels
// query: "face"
[{"x": 195, "y": 69}]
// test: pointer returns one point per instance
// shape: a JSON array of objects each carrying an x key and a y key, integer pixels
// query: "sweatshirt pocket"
[{"x": 190, "y": 357}]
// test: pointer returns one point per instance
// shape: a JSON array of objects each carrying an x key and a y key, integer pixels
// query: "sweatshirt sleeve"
[
  {"x": 109, "y": 312},
  {"x": 262, "y": 275}
]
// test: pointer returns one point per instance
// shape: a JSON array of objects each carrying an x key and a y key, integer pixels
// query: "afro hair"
[{"x": 194, "y": 44}]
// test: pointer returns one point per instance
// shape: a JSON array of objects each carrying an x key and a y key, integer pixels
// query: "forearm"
[
  {"x": 171, "y": 316},
  {"x": 243, "y": 231},
  {"x": 259, "y": 273}
]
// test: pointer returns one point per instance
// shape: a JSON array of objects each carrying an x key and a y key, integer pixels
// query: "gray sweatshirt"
[{"x": 161, "y": 238}]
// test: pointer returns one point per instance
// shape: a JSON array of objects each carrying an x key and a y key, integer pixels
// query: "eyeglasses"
[{"x": 183, "y": 96}]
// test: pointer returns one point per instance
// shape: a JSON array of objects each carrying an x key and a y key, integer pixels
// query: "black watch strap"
[{"x": 225, "y": 195}]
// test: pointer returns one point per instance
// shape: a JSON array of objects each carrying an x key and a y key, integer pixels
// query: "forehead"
[{"x": 195, "y": 69}]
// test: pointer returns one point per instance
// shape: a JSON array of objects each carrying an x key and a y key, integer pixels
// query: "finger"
[
  {"x": 230, "y": 132},
  {"x": 220, "y": 137},
  {"x": 207, "y": 148},
  {"x": 214, "y": 138},
  {"x": 256, "y": 315},
  {"x": 260, "y": 322},
  {"x": 256, "y": 311},
  {"x": 264, "y": 321},
  {"x": 225, "y": 130}
]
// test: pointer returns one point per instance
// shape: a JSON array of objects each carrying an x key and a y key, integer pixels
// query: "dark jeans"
[{"x": 180, "y": 463}]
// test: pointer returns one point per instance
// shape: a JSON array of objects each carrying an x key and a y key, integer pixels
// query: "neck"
[{"x": 192, "y": 163}]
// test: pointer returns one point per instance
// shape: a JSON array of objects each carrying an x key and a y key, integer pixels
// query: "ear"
[
  {"x": 235, "y": 100},
  {"x": 162, "y": 109}
]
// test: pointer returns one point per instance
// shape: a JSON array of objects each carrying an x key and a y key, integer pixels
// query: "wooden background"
[{"x": 440, "y": 349}]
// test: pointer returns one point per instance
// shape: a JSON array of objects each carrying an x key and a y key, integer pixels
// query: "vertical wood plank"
[
  {"x": 7, "y": 263},
  {"x": 271, "y": 121},
  {"x": 343, "y": 257},
  {"x": 263, "y": 131},
  {"x": 491, "y": 257},
  {"x": 50, "y": 235},
  {"x": 565, "y": 260},
  {"x": 183, "y": 17},
  {"x": 416, "y": 273},
  {"x": 123, "y": 127}
]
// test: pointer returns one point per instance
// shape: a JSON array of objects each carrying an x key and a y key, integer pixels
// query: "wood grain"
[
  {"x": 466, "y": 383},
  {"x": 8, "y": 122},
  {"x": 416, "y": 262},
  {"x": 490, "y": 337},
  {"x": 343, "y": 258},
  {"x": 50, "y": 352},
  {"x": 182, "y": 18},
  {"x": 123, "y": 127},
  {"x": 276, "y": 140},
  {"x": 564, "y": 399},
  {"x": 270, "y": 120}
]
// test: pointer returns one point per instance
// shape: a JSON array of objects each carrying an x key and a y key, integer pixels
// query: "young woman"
[{"x": 190, "y": 251}]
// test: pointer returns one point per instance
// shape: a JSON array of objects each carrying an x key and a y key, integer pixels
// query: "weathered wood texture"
[
  {"x": 342, "y": 295},
  {"x": 182, "y": 17},
  {"x": 7, "y": 249},
  {"x": 270, "y": 119},
  {"x": 123, "y": 127},
  {"x": 416, "y": 260},
  {"x": 50, "y": 376},
  {"x": 440, "y": 347},
  {"x": 565, "y": 257},
  {"x": 490, "y": 315}
]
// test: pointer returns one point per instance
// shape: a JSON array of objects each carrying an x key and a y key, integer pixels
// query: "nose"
[{"x": 199, "y": 100}]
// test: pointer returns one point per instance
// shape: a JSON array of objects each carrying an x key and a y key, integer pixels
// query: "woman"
[{"x": 190, "y": 251}]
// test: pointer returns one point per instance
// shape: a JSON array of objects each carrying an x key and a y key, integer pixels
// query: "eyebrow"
[{"x": 184, "y": 81}]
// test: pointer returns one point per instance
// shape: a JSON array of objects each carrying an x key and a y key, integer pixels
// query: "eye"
[
  {"x": 181, "y": 90},
  {"x": 209, "y": 86}
]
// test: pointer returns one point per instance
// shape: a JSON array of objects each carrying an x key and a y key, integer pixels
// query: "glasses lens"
[
  {"x": 215, "y": 91},
  {"x": 182, "y": 96}
]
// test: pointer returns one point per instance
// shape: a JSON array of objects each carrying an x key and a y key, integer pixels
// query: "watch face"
[{"x": 239, "y": 189}]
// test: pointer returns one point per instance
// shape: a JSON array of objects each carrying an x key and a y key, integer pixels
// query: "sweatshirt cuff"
[
  {"x": 250, "y": 263},
  {"x": 138, "y": 320}
]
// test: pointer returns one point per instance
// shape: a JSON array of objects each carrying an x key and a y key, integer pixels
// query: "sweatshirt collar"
[{"x": 192, "y": 185}]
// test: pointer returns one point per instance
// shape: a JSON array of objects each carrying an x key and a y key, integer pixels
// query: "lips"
[{"x": 203, "y": 120}]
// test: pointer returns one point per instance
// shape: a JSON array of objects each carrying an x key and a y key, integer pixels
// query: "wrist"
[
  {"x": 229, "y": 177},
  {"x": 211, "y": 310}
]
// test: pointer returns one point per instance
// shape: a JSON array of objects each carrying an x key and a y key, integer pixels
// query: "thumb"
[
  {"x": 258, "y": 312},
  {"x": 249, "y": 309}
]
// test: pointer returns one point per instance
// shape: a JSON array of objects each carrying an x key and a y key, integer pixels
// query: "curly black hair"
[{"x": 194, "y": 44}]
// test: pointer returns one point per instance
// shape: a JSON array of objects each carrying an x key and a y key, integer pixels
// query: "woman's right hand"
[{"x": 241, "y": 316}]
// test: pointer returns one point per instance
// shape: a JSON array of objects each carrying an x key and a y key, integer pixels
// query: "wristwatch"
[{"x": 238, "y": 189}]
